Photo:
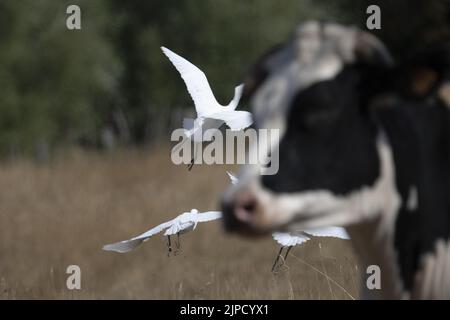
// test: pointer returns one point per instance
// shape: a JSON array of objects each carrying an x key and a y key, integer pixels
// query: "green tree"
[{"x": 55, "y": 82}]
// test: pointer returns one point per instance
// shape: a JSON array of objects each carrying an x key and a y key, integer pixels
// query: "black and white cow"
[{"x": 364, "y": 144}]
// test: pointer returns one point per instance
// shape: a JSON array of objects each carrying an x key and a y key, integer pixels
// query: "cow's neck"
[
  {"x": 373, "y": 236},
  {"x": 374, "y": 246}
]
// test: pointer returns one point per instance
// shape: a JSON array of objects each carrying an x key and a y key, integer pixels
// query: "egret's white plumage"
[
  {"x": 233, "y": 178},
  {"x": 301, "y": 236},
  {"x": 291, "y": 239},
  {"x": 185, "y": 222},
  {"x": 210, "y": 114},
  {"x": 334, "y": 232}
]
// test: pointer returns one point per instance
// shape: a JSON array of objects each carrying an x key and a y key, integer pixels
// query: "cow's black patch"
[
  {"x": 420, "y": 138},
  {"x": 329, "y": 142},
  {"x": 419, "y": 132}
]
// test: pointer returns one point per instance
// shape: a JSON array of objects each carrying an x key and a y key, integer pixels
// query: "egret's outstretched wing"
[
  {"x": 127, "y": 245},
  {"x": 233, "y": 178},
  {"x": 195, "y": 80},
  {"x": 336, "y": 232},
  {"x": 237, "y": 96},
  {"x": 288, "y": 240},
  {"x": 208, "y": 216},
  {"x": 123, "y": 246},
  {"x": 236, "y": 120}
]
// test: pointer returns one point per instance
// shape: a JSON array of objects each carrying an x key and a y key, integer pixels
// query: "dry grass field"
[{"x": 61, "y": 213}]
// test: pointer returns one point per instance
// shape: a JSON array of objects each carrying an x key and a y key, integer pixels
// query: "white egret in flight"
[
  {"x": 290, "y": 239},
  {"x": 183, "y": 223},
  {"x": 210, "y": 114}
]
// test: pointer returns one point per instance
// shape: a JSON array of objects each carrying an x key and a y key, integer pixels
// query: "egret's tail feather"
[
  {"x": 237, "y": 96},
  {"x": 123, "y": 246}
]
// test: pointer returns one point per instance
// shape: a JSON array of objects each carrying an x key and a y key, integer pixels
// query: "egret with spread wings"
[
  {"x": 185, "y": 222},
  {"x": 291, "y": 239},
  {"x": 210, "y": 114}
]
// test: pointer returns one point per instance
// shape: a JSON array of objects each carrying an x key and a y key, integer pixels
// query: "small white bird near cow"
[
  {"x": 210, "y": 114},
  {"x": 287, "y": 240},
  {"x": 183, "y": 223},
  {"x": 291, "y": 239}
]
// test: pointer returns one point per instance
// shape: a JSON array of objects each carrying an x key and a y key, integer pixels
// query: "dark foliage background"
[{"x": 108, "y": 84}]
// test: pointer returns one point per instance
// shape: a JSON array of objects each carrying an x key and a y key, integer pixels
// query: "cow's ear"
[
  {"x": 369, "y": 50},
  {"x": 375, "y": 64},
  {"x": 253, "y": 80},
  {"x": 424, "y": 73},
  {"x": 258, "y": 73},
  {"x": 423, "y": 80},
  {"x": 417, "y": 81}
]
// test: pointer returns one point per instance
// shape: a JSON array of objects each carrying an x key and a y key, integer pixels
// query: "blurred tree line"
[{"x": 109, "y": 83}]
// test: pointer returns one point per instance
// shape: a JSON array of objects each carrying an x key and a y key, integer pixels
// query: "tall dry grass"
[{"x": 60, "y": 214}]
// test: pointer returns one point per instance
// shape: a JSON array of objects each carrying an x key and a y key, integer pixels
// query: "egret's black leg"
[
  {"x": 169, "y": 246},
  {"x": 194, "y": 157},
  {"x": 178, "y": 243},
  {"x": 274, "y": 267},
  {"x": 191, "y": 164},
  {"x": 287, "y": 252}
]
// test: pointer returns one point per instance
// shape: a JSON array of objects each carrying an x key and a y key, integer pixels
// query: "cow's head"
[{"x": 316, "y": 90}]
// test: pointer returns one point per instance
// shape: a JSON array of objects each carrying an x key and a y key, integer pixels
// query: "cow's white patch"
[
  {"x": 375, "y": 206},
  {"x": 319, "y": 208},
  {"x": 433, "y": 279}
]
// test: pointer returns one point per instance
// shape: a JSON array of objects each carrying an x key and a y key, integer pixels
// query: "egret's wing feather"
[
  {"x": 155, "y": 230},
  {"x": 123, "y": 246},
  {"x": 208, "y": 216},
  {"x": 127, "y": 245},
  {"x": 195, "y": 80},
  {"x": 336, "y": 232},
  {"x": 236, "y": 120},
  {"x": 233, "y": 178},
  {"x": 288, "y": 240},
  {"x": 237, "y": 96}
]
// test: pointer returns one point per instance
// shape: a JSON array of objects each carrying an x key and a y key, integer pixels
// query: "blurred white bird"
[
  {"x": 287, "y": 240},
  {"x": 210, "y": 114},
  {"x": 291, "y": 239},
  {"x": 233, "y": 178},
  {"x": 185, "y": 222}
]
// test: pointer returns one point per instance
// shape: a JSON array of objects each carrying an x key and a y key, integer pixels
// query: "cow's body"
[
  {"x": 419, "y": 135},
  {"x": 405, "y": 243},
  {"x": 364, "y": 144}
]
